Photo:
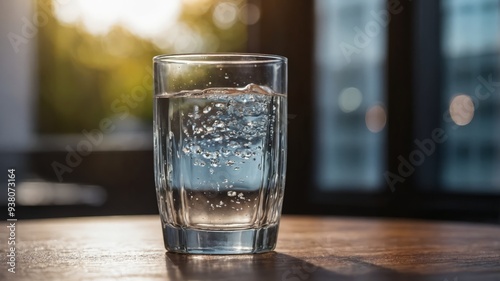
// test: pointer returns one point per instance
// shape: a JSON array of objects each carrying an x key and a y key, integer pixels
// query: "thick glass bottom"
[{"x": 220, "y": 242}]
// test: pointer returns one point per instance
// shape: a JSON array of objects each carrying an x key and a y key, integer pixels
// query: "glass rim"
[{"x": 220, "y": 58}]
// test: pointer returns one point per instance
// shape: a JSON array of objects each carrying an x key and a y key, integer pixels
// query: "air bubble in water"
[
  {"x": 234, "y": 144},
  {"x": 225, "y": 152},
  {"x": 196, "y": 149},
  {"x": 219, "y": 124},
  {"x": 207, "y": 109}
]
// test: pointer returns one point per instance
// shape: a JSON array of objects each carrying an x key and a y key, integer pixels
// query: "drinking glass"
[{"x": 220, "y": 150}]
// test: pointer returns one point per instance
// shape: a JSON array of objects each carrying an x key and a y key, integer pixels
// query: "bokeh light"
[
  {"x": 462, "y": 110},
  {"x": 350, "y": 99},
  {"x": 225, "y": 15},
  {"x": 376, "y": 118},
  {"x": 249, "y": 14}
]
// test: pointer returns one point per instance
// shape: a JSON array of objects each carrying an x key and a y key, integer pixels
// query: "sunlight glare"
[{"x": 145, "y": 18}]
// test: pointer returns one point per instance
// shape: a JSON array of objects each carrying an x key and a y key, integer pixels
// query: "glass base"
[{"x": 220, "y": 242}]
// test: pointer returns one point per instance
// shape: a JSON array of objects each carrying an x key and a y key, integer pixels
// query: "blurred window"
[
  {"x": 350, "y": 106},
  {"x": 471, "y": 92}
]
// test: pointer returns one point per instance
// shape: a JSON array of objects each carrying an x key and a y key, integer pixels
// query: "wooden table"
[{"x": 309, "y": 248}]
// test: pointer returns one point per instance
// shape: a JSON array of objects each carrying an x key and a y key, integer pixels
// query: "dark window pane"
[
  {"x": 350, "y": 113},
  {"x": 470, "y": 40}
]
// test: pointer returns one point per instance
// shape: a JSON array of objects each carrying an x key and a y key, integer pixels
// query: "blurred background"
[{"x": 394, "y": 105}]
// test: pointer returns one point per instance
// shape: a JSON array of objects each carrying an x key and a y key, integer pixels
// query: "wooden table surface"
[{"x": 309, "y": 248}]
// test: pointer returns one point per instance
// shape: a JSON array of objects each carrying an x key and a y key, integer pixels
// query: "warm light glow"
[
  {"x": 225, "y": 15},
  {"x": 197, "y": 7},
  {"x": 249, "y": 14},
  {"x": 183, "y": 39},
  {"x": 34, "y": 193},
  {"x": 350, "y": 99},
  {"x": 145, "y": 18},
  {"x": 376, "y": 118},
  {"x": 462, "y": 110}
]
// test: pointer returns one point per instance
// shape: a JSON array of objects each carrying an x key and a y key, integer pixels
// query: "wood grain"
[{"x": 309, "y": 248}]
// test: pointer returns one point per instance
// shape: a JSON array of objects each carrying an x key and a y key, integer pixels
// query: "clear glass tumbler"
[{"x": 220, "y": 135}]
